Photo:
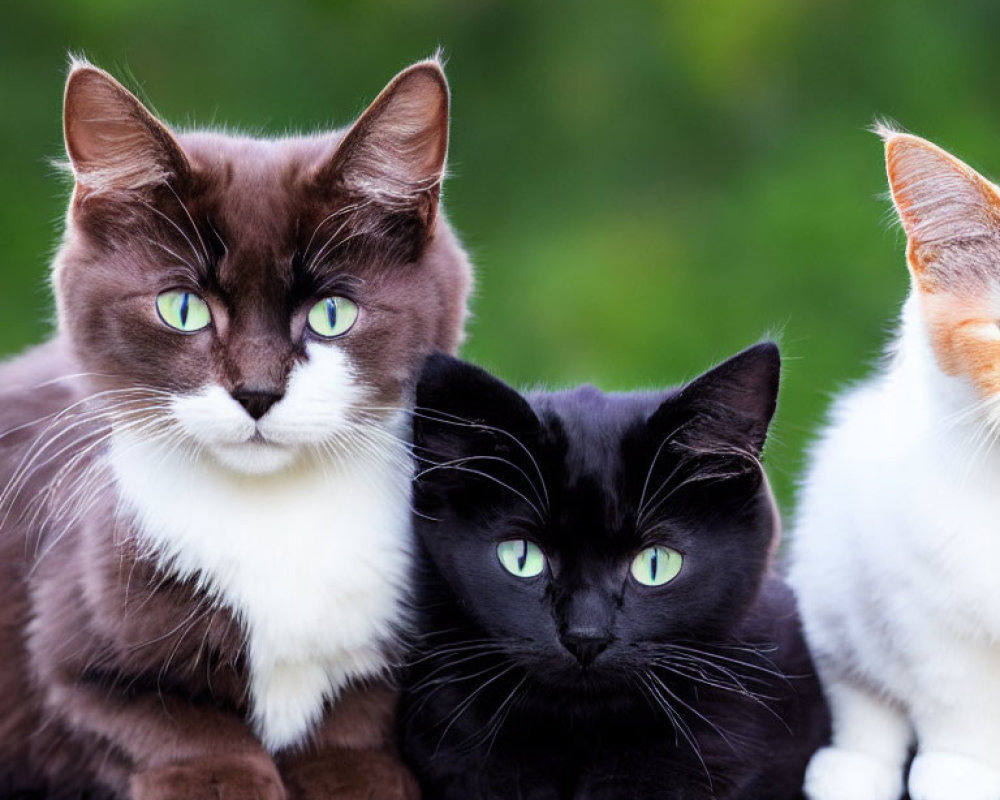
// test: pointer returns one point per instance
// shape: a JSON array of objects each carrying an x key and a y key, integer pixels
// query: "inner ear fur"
[
  {"x": 951, "y": 213},
  {"x": 113, "y": 142},
  {"x": 395, "y": 153}
]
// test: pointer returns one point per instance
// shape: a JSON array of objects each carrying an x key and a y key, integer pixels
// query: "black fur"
[{"x": 581, "y": 682}]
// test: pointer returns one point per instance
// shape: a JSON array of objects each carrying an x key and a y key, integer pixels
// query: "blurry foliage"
[{"x": 645, "y": 187}]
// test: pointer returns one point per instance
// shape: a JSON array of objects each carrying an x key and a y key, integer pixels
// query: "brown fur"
[{"x": 117, "y": 677}]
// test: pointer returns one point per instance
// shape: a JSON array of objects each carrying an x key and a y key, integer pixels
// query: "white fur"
[
  {"x": 895, "y": 558},
  {"x": 847, "y": 775},
  {"x": 937, "y": 775},
  {"x": 311, "y": 550},
  {"x": 320, "y": 393}
]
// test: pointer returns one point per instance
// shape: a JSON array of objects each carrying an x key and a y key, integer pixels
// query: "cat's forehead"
[
  {"x": 256, "y": 193},
  {"x": 234, "y": 160},
  {"x": 593, "y": 424},
  {"x": 591, "y": 434}
]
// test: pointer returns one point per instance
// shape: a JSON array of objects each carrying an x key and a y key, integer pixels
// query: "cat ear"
[
  {"x": 727, "y": 409},
  {"x": 114, "y": 144},
  {"x": 461, "y": 409},
  {"x": 942, "y": 203},
  {"x": 395, "y": 153}
]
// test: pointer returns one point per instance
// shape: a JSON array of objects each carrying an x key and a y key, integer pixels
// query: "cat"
[
  {"x": 897, "y": 529},
  {"x": 598, "y": 615},
  {"x": 205, "y": 532}
]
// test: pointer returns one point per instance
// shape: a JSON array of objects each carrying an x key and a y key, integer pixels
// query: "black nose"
[
  {"x": 256, "y": 402},
  {"x": 585, "y": 645}
]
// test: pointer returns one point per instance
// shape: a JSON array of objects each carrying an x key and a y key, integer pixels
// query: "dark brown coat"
[{"x": 115, "y": 675}]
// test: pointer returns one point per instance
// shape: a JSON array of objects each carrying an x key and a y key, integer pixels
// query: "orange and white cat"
[{"x": 896, "y": 552}]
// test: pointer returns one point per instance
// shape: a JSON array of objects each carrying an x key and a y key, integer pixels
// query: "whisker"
[
  {"x": 680, "y": 726},
  {"x": 496, "y": 480},
  {"x": 197, "y": 255},
  {"x": 462, "y": 707},
  {"x": 435, "y": 465},
  {"x": 434, "y": 415},
  {"x": 204, "y": 250}
]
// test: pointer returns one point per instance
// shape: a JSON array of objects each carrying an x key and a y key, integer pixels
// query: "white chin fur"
[{"x": 255, "y": 458}]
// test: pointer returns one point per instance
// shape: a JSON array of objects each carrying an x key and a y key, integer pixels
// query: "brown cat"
[{"x": 204, "y": 530}]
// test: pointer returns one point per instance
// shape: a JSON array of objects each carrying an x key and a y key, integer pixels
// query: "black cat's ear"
[
  {"x": 951, "y": 213},
  {"x": 461, "y": 408},
  {"x": 473, "y": 439},
  {"x": 113, "y": 142},
  {"x": 395, "y": 153},
  {"x": 727, "y": 409}
]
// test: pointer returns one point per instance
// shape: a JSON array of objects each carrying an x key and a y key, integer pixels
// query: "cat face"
[
  {"x": 257, "y": 301},
  {"x": 951, "y": 215},
  {"x": 583, "y": 533}
]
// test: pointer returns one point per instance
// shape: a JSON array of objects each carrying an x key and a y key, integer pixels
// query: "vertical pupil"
[
  {"x": 653, "y": 558},
  {"x": 331, "y": 313},
  {"x": 523, "y": 558},
  {"x": 185, "y": 299}
]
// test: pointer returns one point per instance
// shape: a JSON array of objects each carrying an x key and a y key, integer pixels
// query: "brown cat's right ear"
[
  {"x": 395, "y": 153},
  {"x": 941, "y": 202},
  {"x": 114, "y": 144}
]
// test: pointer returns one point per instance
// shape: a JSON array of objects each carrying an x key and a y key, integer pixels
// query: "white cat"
[{"x": 896, "y": 551}]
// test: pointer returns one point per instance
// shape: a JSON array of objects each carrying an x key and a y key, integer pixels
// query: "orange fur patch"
[{"x": 965, "y": 337}]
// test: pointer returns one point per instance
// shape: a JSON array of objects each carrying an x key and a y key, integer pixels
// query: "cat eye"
[
  {"x": 183, "y": 311},
  {"x": 521, "y": 558},
  {"x": 656, "y": 566},
  {"x": 332, "y": 317}
]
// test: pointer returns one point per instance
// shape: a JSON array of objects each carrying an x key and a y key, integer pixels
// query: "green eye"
[
  {"x": 656, "y": 566},
  {"x": 183, "y": 311},
  {"x": 333, "y": 317},
  {"x": 521, "y": 557}
]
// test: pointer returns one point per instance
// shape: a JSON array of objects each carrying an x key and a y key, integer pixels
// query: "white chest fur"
[
  {"x": 313, "y": 561},
  {"x": 894, "y": 553}
]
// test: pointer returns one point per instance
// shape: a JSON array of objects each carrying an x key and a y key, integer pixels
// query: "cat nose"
[
  {"x": 585, "y": 645},
  {"x": 256, "y": 402}
]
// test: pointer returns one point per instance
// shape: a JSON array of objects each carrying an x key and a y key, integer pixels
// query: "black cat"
[{"x": 597, "y": 615}]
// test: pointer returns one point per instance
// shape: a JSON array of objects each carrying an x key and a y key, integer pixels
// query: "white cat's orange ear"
[
  {"x": 395, "y": 153},
  {"x": 113, "y": 142},
  {"x": 941, "y": 201}
]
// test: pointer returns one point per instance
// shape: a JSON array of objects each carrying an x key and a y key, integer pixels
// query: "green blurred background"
[{"x": 645, "y": 187}]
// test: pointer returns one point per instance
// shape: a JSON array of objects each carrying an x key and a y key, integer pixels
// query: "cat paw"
[
  {"x": 350, "y": 775},
  {"x": 835, "y": 774},
  {"x": 946, "y": 776},
  {"x": 231, "y": 777}
]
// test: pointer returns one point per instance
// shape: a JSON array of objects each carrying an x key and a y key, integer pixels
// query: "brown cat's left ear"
[
  {"x": 941, "y": 202},
  {"x": 395, "y": 153},
  {"x": 113, "y": 142}
]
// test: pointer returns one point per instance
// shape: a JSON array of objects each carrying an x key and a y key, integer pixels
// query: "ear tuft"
[
  {"x": 114, "y": 144},
  {"x": 395, "y": 153},
  {"x": 939, "y": 199}
]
